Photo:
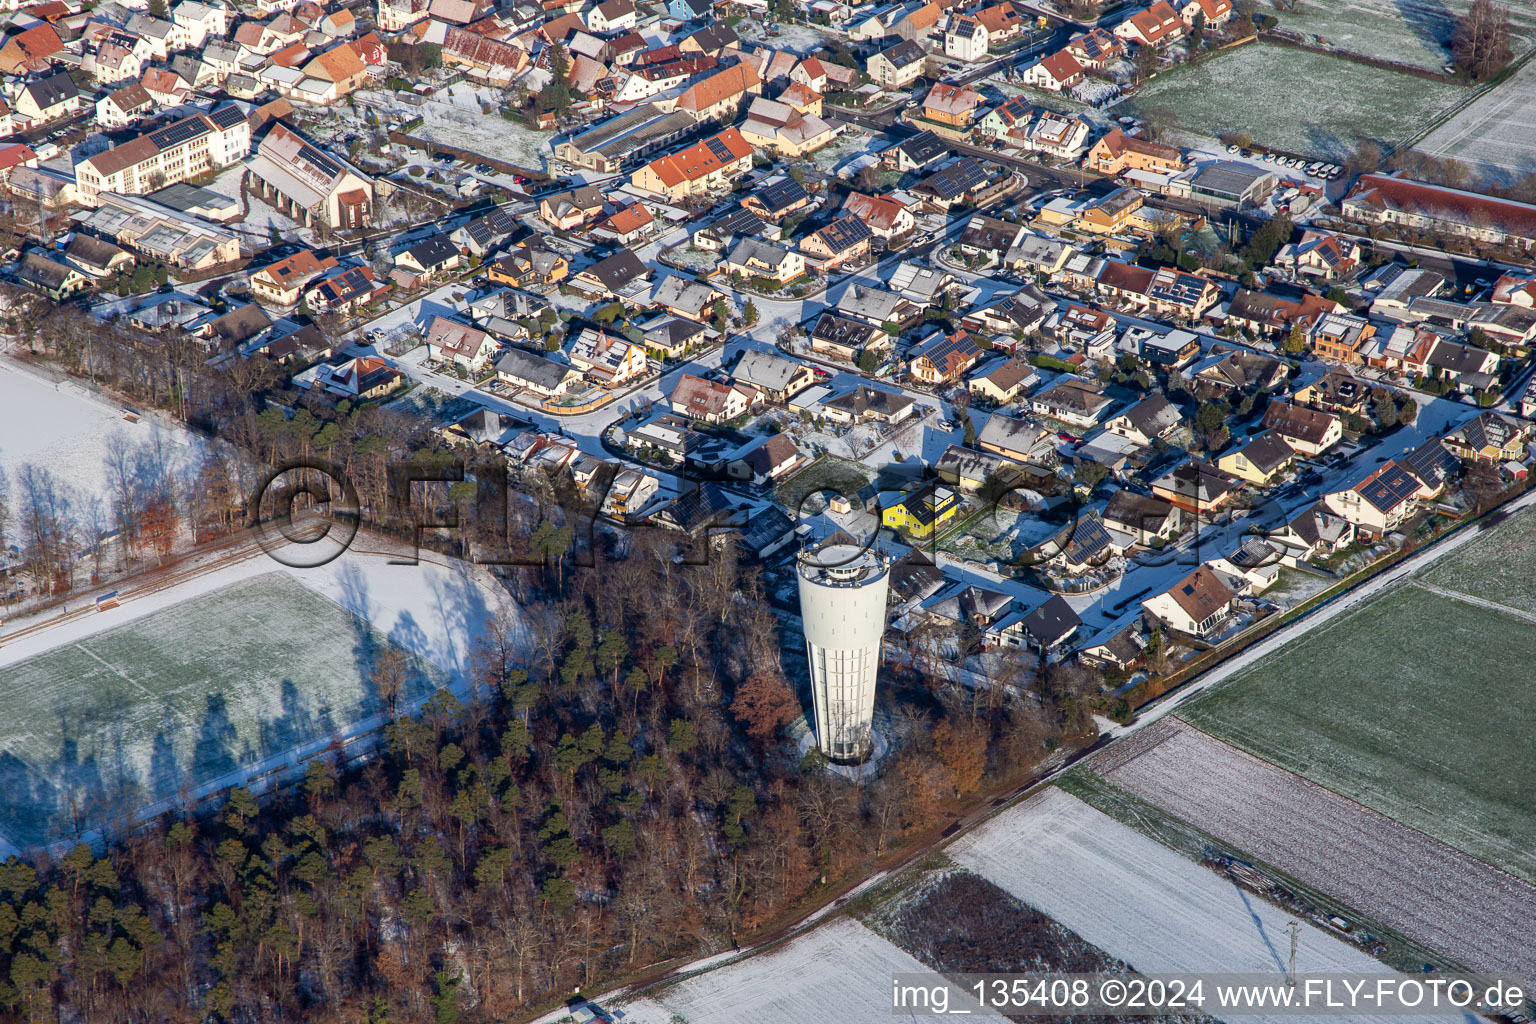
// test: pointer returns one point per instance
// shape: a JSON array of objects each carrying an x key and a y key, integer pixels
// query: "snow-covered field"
[
  {"x": 220, "y": 677},
  {"x": 454, "y": 118},
  {"x": 1416, "y": 32},
  {"x": 1496, "y": 134},
  {"x": 70, "y": 431},
  {"x": 1140, "y": 901},
  {"x": 1475, "y": 914},
  {"x": 801, "y": 39},
  {"x": 840, "y": 971},
  {"x": 1407, "y": 704},
  {"x": 1500, "y": 565},
  {"x": 1237, "y": 90}
]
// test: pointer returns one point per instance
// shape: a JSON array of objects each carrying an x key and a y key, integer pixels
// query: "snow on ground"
[
  {"x": 801, "y": 39},
  {"x": 1496, "y": 134},
  {"x": 68, "y": 430},
  {"x": 454, "y": 118},
  {"x": 839, "y": 971},
  {"x": 1414, "y": 32},
  {"x": 1140, "y": 901},
  {"x": 1455, "y": 904},
  {"x": 1223, "y": 92},
  {"x": 115, "y": 713}
]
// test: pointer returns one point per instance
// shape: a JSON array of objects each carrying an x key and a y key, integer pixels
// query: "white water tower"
[{"x": 843, "y": 590}]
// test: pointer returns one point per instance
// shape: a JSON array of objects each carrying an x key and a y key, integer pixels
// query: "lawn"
[
  {"x": 1253, "y": 87},
  {"x": 201, "y": 691},
  {"x": 1415, "y": 705}
]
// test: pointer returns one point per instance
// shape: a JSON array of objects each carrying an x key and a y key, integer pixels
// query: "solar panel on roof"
[
  {"x": 227, "y": 116},
  {"x": 719, "y": 148},
  {"x": 320, "y": 160},
  {"x": 176, "y": 134}
]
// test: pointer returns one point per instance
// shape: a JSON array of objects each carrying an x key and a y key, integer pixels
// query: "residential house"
[
  {"x": 720, "y": 95},
  {"x": 753, "y": 258},
  {"x": 777, "y": 377},
  {"x": 1262, "y": 460},
  {"x": 1378, "y": 503},
  {"x": 683, "y": 296},
  {"x": 777, "y": 198},
  {"x": 1003, "y": 382},
  {"x": 1195, "y": 606},
  {"x": 1015, "y": 439},
  {"x": 1150, "y": 522},
  {"x": 1315, "y": 533},
  {"x": 46, "y": 99},
  {"x": 96, "y": 257},
  {"x": 1341, "y": 338},
  {"x": 358, "y": 379},
  {"x": 1214, "y": 12},
  {"x": 52, "y": 277},
  {"x": 710, "y": 401},
  {"x": 1116, "y": 153},
  {"x": 865, "y": 404},
  {"x": 282, "y": 283},
  {"x": 953, "y": 106},
  {"x": 1337, "y": 391},
  {"x": 1325, "y": 254},
  {"x": 966, "y": 39},
  {"x": 344, "y": 291},
  {"x": 898, "y": 66},
  {"x": 706, "y": 166},
  {"x": 122, "y": 107},
  {"x": 607, "y": 360},
  {"x": 847, "y": 238},
  {"x": 1196, "y": 487},
  {"x": 1489, "y": 438},
  {"x": 1309, "y": 431},
  {"x": 943, "y": 358},
  {"x": 1241, "y": 371},
  {"x": 1056, "y": 73},
  {"x": 1077, "y": 403},
  {"x": 613, "y": 16},
  {"x": 628, "y": 225},
  {"x": 781, "y": 129},
  {"x": 573, "y": 208},
  {"x": 530, "y": 266},
  {"x": 1156, "y": 26},
  {"x": 546, "y": 378},
  {"x": 844, "y": 339},
  {"x": 1149, "y": 419},
  {"x": 430, "y": 259},
  {"x": 613, "y": 276},
  {"x": 460, "y": 345},
  {"x": 922, "y": 513}
]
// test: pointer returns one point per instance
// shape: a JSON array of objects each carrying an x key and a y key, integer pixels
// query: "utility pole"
[{"x": 1294, "y": 928}]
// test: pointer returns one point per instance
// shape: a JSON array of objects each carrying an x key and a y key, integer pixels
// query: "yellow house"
[
  {"x": 1259, "y": 461},
  {"x": 922, "y": 513}
]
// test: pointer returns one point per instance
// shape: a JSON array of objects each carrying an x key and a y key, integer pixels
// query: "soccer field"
[
  {"x": 1247, "y": 89},
  {"x": 196, "y": 693},
  {"x": 1416, "y": 704}
]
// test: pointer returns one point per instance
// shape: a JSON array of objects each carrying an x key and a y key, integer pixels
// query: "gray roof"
[
  {"x": 524, "y": 365},
  {"x": 767, "y": 370}
]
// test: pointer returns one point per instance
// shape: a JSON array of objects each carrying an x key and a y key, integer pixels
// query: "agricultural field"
[
  {"x": 840, "y": 970},
  {"x": 1405, "y": 704},
  {"x": 1139, "y": 901},
  {"x": 1499, "y": 565},
  {"x": 134, "y": 714},
  {"x": 1455, "y": 904},
  {"x": 1416, "y": 32},
  {"x": 1237, "y": 91},
  {"x": 1495, "y": 135}
]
